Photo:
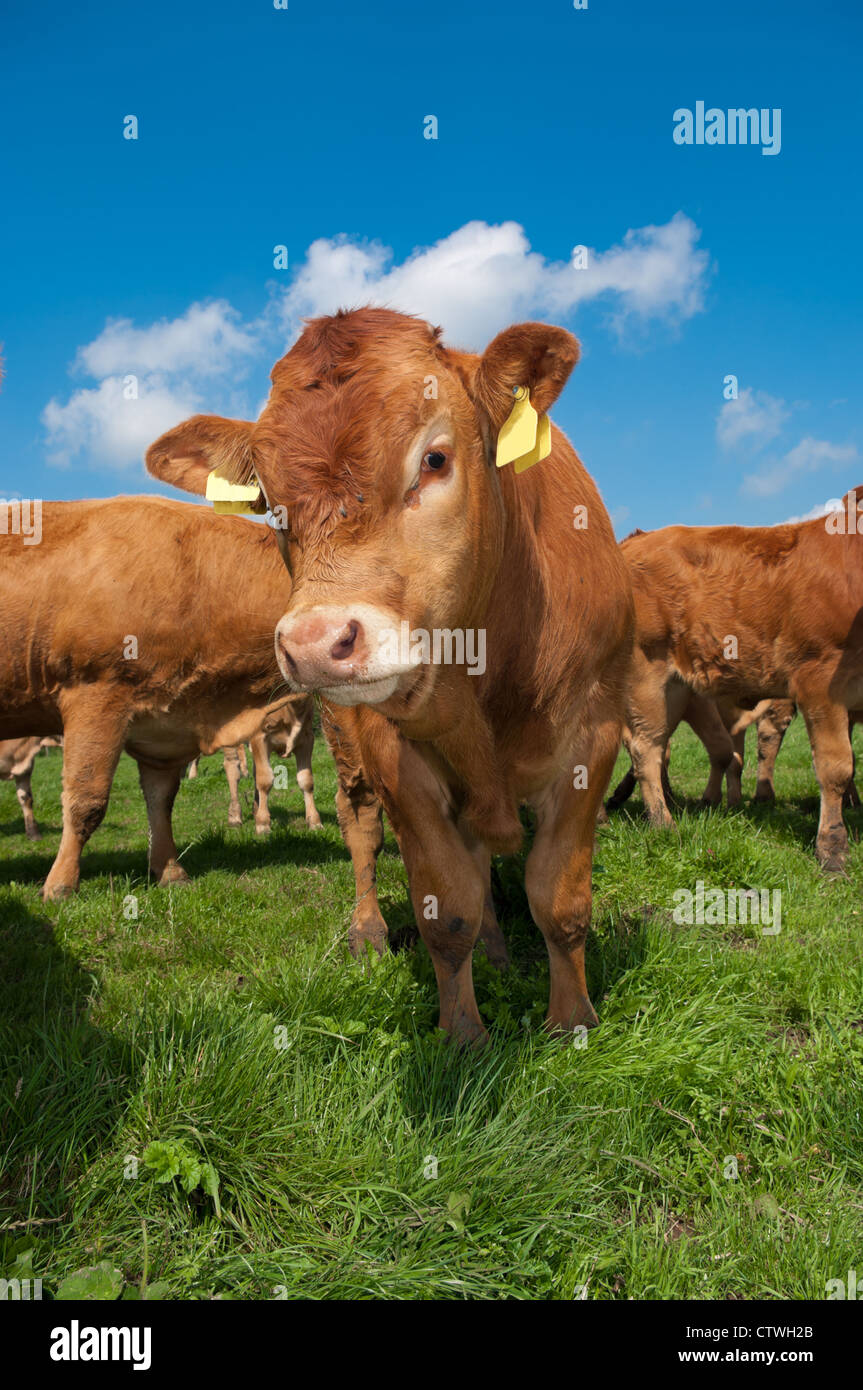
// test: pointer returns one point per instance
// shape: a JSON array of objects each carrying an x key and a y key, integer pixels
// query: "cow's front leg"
[
  {"x": 827, "y": 724},
  {"x": 558, "y": 877},
  {"x": 361, "y": 821},
  {"x": 160, "y": 786},
  {"x": 24, "y": 793},
  {"x": 448, "y": 895},
  {"x": 448, "y": 877},
  {"x": 94, "y": 728}
]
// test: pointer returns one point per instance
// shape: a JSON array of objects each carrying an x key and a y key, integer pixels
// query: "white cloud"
[
  {"x": 833, "y": 504},
  {"x": 205, "y": 341},
  {"x": 807, "y": 456},
  {"x": 481, "y": 278},
  {"x": 170, "y": 361},
  {"x": 109, "y": 429},
  {"x": 755, "y": 417}
]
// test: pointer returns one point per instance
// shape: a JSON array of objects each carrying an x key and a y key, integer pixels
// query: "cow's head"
[{"x": 375, "y": 453}]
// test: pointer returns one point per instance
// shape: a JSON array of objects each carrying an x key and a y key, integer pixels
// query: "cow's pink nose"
[{"x": 321, "y": 649}]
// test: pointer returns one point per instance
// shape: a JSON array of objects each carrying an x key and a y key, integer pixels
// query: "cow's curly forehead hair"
[{"x": 319, "y": 443}]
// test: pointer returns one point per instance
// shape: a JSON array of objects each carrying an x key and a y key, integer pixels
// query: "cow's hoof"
[
  {"x": 174, "y": 876},
  {"x": 374, "y": 935},
  {"x": 568, "y": 1028},
  {"x": 497, "y": 956},
  {"x": 764, "y": 798},
  {"x": 33, "y": 834},
  {"x": 57, "y": 892},
  {"x": 315, "y": 824},
  {"x": 468, "y": 1033},
  {"x": 234, "y": 822},
  {"x": 602, "y": 815},
  {"x": 833, "y": 865},
  {"x": 262, "y": 829}
]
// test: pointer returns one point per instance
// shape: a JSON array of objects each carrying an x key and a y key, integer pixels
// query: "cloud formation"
[
  {"x": 806, "y": 457},
  {"x": 481, "y": 277},
  {"x": 172, "y": 362},
  {"x": 754, "y": 418},
  {"x": 474, "y": 282}
]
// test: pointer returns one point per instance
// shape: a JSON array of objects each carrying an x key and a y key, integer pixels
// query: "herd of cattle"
[{"x": 148, "y": 625}]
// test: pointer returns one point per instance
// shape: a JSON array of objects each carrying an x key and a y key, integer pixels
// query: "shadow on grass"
[
  {"x": 290, "y": 844},
  {"x": 796, "y": 818},
  {"x": 64, "y": 1082}
]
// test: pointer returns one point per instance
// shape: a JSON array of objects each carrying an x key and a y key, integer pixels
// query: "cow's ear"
[
  {"x": 536, "y": 355},
  {"x": 187, "y": 454}
]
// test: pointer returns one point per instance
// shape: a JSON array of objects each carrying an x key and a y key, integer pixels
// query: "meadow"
[{"x": 203, "y": 1096}]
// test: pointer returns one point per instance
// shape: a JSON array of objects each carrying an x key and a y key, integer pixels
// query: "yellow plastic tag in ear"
[
  {"x": 540, "y": 450},
  {"x": 231, "y": 499},
  {"x": 517, "y": 435}
]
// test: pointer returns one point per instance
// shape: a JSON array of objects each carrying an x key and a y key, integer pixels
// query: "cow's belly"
[
  {"x": 33, "y": 718},
  {"x": 151, "y": 741}
]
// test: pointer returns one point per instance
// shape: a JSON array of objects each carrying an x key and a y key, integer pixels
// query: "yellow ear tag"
[
  {"x": 231, "y": 499},
  {"x": 517, "y": 435},
  {"x": 540, "y": 450}
]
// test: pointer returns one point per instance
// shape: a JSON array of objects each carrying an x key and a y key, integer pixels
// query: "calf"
[
  {"x": 17, "y": 756},
  {"x": 376, "y": 453},
  {"x": 752, "y": 613},
  {"x": 118, "y": 632}
]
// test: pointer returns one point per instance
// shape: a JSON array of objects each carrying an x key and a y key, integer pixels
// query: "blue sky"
[{"x": 305, "y": 128}]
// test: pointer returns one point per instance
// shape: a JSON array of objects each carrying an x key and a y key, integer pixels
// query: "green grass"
[{"x": 557, "y": 1166}]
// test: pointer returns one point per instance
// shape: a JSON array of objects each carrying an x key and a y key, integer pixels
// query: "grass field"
[{"x": 354, "y": 1155}]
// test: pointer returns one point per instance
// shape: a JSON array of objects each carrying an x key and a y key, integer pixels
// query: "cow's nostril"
[
  {"x": 285, "y": 650},
  {"x": 344, "y": 647}
]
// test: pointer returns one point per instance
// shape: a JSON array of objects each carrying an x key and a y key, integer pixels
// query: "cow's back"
[
  {"x": 741, "y": 610},
  {"x": 161, "y": 598}
]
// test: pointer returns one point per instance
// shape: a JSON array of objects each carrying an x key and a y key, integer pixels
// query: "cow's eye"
[{"x": 434, "y": 461}]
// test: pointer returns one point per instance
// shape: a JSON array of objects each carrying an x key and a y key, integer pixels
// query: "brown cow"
[
  {"x": 289, "y": 730},
  {"x": 17, "y": 756},
  {"x": 721, "y": 726},
  {"x": 376, "y": 453},
  {"x": 118, "y": 631},
  {"x": 752, "y": 613}
]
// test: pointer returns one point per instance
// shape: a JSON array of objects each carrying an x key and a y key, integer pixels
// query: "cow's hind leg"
[
  {"x": 831, "y": 750},
  {"x": 304, "y": 747},
  {"x": 558, "y": 878},
  {"x": 160, "y": 786},
  {"x": 24, "y": 793},
  {"x": 772, "y": 727},
  {"x": 264, "y": 779},
  {"x": 851, "y": 799},
  {"x": 231, "y": 761},
  {"x": 703, "y": 717},
  {"x": 490, "y": 933},
  {"x": 94, "y": 727}
]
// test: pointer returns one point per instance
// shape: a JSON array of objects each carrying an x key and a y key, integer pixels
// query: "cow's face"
[{"x": 376, "y": 456}]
